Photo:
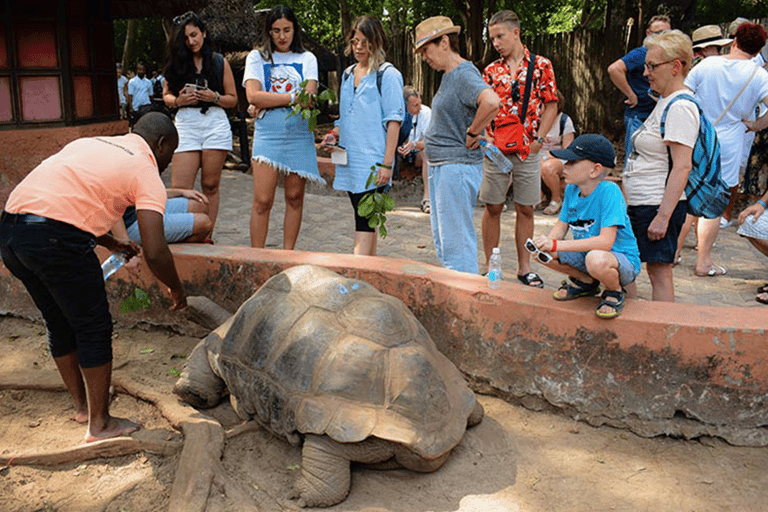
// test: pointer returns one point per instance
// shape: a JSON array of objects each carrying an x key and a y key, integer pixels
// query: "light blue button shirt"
[{"x": 363, "y": 117}]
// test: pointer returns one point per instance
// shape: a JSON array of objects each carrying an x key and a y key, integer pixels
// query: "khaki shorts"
[{"x": 526, "y": 178}]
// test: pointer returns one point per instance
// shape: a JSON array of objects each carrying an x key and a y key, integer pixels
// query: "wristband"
[
  {"x": 473, "y": 135},
  {"x": 554, "y": 245},
  {"x": 217, "y": 98},
  {"x": 762, "y": 203},
  {"x": 293, "y": 98},
  {"x": 385, "y": 166},
  {"x": 333, "y": 133}
]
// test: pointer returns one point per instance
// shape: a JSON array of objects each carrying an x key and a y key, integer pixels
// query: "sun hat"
[
  {"x": 709, "y": 35},
  {"x": 735, "y": 24},
  {"x": 590, "y": 146},
  {"x": 434, "y": 27}
]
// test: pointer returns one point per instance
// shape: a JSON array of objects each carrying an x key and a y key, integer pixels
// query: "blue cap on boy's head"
[{"x": 589, "y": 146}]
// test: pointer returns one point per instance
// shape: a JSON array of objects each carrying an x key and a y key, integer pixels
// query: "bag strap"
[
  {"x": 737, "y": 96},
  {"x": 563, "y": 120},
  {"x": 684, "y": 96},
  {"x": 527, "y": 92},
  {"x": 379, "y": 73}
]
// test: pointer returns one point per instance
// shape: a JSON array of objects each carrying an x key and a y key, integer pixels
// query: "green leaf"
[
  {"x": 137, "y": 301},
  {"x": 389, "y": 203},
  {"x": 382, "y": 231},
  {"x": 373, "y": 221},
  {"x": 371, "y": 177},
  {"x": 305, "y": 114},
  {"x": 365, "y": 206},
  {"x": 146, "y": 351},
  {"x": 174, "y": 372},
  {"x": 312, "y": 123}
]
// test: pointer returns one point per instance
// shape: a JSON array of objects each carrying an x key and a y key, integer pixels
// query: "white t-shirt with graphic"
[{"x": 284, "y": 74}]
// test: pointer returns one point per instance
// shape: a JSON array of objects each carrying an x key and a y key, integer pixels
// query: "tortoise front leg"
[{"x": 325, "y": 474}]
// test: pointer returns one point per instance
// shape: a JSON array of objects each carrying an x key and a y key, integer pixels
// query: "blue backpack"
[{"x": 706, "y": 191}]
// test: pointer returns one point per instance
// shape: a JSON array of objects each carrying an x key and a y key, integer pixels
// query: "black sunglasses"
[{"x": 540, "y": 255}]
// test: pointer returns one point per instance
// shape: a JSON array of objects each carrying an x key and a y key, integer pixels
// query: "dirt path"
[{"x": 515, "y": 460}]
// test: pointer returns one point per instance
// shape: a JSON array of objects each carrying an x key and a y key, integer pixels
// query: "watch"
[{"x": 539, "y": 140}]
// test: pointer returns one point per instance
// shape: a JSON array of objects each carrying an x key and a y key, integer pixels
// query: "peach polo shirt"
[{"x": 90, "y": 183}]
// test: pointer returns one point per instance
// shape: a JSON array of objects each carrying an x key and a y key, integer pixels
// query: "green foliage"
[
  {"x": 149, "y": 46},
  {"x": 137, "y": 301},
  {"x": 374, "y": 205},
  {"x": 307, "y": 103}
]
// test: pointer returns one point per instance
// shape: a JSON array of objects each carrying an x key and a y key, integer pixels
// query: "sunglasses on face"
[{"x": 543, "y": 257}]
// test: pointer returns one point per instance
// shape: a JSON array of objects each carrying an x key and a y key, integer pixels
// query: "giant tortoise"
[{"x": 334, "y": 364}]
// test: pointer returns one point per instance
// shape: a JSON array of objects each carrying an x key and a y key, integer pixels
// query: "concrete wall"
[{"x": 671, "y": 369}]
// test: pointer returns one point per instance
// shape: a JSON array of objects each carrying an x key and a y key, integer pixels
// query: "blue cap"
[{"x": 589, "y": 146}]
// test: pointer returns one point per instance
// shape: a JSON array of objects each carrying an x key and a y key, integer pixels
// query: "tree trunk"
[{"x": 130, "y": 39}]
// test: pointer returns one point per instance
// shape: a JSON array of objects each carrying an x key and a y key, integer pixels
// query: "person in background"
[
  {"x": 559, "y": 137},
  {"x": 508, "y": 76},
  {"x": 728, "y": 88},
  {"x": 369, "y": 122},
  {"x": 658, "y": 166},
  {"x": 122, "y": 91},
  {"x": 52, "y": 222},
  {"x": 200, "y": 84},
  {"x": 463, "y": 106},
  {"x": 627, "y": 75},
  {"x": 283, "y": 147},
  {"x": 139, "y": 94},
  {"x": 412, "y": 151},
  {"x": 753, "y": 225}
]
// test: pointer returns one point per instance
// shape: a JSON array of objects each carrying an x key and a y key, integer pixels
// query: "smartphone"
[{"x": 190, "y": 88}]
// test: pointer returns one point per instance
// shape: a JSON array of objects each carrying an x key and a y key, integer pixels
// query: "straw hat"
[
  {"x": 735, "y": 24},
  {"x": 709, "y": 35},
  {"x": 434, "y": 27}
]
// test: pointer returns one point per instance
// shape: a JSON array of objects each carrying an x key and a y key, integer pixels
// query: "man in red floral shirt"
[{"x": 507, "y": 77}]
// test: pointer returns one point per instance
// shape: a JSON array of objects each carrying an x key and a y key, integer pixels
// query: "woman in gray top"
[{"x": 463, "y": 106}]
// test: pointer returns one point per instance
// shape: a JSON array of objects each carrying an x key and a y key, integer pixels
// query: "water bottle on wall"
[
  {"x": 112, "y": 264},
  {"x": 494, "y": 269},
  {"x": 495, "y": 154}
]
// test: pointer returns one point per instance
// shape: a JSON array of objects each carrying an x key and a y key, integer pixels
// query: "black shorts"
[
  {"x": 656, "y": 251},
  {"x": 361, "y": 223}
]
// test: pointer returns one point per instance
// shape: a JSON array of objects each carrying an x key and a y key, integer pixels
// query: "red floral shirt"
[{"x": 498, "y": 75}]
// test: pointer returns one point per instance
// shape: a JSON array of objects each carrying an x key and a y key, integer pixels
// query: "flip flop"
[
  {"x": 759, "y": 298},
  {"x": 425, "y": 206},
  {"x": 714, "y": 270},
  {"x": 531, "y": 279},
  {"x": 552, "y": 208},
  {"x": 763, "y": 289}
]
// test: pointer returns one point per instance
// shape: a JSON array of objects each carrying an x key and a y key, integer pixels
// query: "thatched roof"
[{"x": 154, "y": 9}]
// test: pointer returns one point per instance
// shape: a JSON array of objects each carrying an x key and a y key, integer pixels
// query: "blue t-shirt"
[
  {"x": 635, "y": 62},
  {"x": 604, "y": 207}
]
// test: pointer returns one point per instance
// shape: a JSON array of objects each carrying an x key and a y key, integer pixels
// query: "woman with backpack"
[
  {"x": 283, "y": 147},
  {"x": 200, "y": 84},
  {"x": 371, "y": 109},
  {"x": 655, "y": 188}
]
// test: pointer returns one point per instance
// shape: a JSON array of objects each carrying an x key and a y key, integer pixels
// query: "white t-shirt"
[
  {"x": 420, "y": 124},
  {"x": 645, "y": 176},
  {"x": 285, "y": 72},
  {"x": 120, "y": 91},
  {"x": 554, "y": 139},
  {"x": 716, "y": 81}
]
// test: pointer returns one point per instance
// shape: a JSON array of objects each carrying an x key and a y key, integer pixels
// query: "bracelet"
[
  {"x": 554, "y": 245},
  {"x": 293, "y": 98},
  {"x": 762, "y": 203},
  {"x": 217, "y": 98},
  {"x": 331, "y": 132},
  {"x": 385, "y": 166},
  {"x": 473, "y": 135}
]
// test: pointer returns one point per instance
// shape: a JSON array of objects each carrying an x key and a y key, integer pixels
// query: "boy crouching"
[{"x": 603, "y": 248}]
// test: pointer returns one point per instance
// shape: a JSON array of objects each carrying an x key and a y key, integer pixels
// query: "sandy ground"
[{"x": 515, "y": 460}]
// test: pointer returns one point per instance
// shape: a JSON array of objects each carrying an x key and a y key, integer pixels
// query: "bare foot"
[
  {"x": 115, "y": 427},
  {"x": 80, "y": 417}
]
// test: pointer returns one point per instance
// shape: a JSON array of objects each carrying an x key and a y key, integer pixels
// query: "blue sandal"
[
  {"x": 617, "y": 304},
  {"x": 575, "y": 289}
]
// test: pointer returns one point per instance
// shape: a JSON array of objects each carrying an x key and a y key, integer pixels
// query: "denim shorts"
[
  {"x": 61, "y": 272},
  {"x": 198, "y": 131},
  {"x": 627, "y": 272},
  {"x": 657, "y": 251},
  {"x": 178, "y": 224}
]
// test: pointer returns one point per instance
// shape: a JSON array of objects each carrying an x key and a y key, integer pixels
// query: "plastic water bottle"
[
  {"x": 494, "y": 269},
  {"x": 495, "y": 154},
  {"x": 112, "y": 264}
]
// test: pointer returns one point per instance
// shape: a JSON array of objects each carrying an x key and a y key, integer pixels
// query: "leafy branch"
[
  {"x": 374, "y": 205},
  {"x": 306, "y": 104},
  {"x": 137, "y": 301}
]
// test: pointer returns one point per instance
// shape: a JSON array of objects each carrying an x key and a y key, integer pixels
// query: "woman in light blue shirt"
[{"x": 371, "y": 108}]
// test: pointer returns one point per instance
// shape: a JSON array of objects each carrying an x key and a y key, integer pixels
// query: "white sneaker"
[{"x": 725, "y": 223}]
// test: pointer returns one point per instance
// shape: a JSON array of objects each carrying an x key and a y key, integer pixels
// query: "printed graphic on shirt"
[{"x": 283, "y": 77}]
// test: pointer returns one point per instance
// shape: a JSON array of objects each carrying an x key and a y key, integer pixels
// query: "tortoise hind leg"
[
  {"x": 325, "y": 474},
  {"x": 476, "y": 416}
]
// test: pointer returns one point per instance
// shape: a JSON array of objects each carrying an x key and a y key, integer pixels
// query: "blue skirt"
[{"x": 286, "y": 144}]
